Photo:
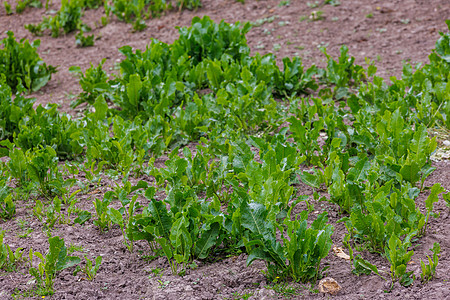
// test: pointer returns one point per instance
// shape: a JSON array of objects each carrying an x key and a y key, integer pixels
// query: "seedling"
[
  {"x": 429, "y": 270},
  {"x": 7, "y": 205},
  {"x": 284, "y": 3},
  {"x": 313, "y": 4},
  {"x": 90, "y": 269},
  {"x": 156, "y": 272},
  {"x": 316, "y": 15},
  {"x": 163, "y": 284},
  {"x": 103, "y": 219},
  {"x": 26, "y": 231}
]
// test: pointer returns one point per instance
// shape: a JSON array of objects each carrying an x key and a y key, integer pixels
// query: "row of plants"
[
  {"x": 69, "y": 16},
  {"x": 365, "y": 143}
]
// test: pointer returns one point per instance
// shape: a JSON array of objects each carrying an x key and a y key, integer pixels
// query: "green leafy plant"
[
  {"x": 103, "y": 219},
  {"x": 82, "y": 40},
  {"x": 446, "y": 197},
  {"x": 299, "y": 256},
  {"x": 8, "y": 7},
  {"x": 67, "y": 19},
  {"x": 22, "y": 4},
  {"x": 429, "y": 203},
  {"x": 21, "y": 64},
  {"x": 129, "y": 11},
  {"x": 429, "y": 270},
  {"x": 189, "y": 4},
  {"x": 359, "y": 264},
  {"x": 7, "y": 205},
  {"x": 342, "y": 72},
  {"x": 181, "y": 232},
  {"x": 42, "y": 168},
  {"x": 51, "y": 213},
  {"x": 47, "y": 127},
  {"x": 90, "y": 269},
  {"x": 9, "y": 259},
  {"x": 12, "y": 111},
  {"x": 399, "y": 256},
  {"x": 125, "y": 221},
  {"x": 49, "y": 265},
  {"x": 17, "y": 166}
]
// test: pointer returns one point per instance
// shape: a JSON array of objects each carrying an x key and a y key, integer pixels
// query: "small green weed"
[
  {"x": 332, "y": 2},
  {"x": 25, "y": 231},
  {"x": 75, "y": 248},
  {"x": 316, "y": 15},
  {"x": 163, "y": 284},
  {"x": 90, "y": 269},
  {"x": 284, "y": 289},
  {"x": 243, "y": 296},
  {"x": 314, "y": 4},
  {"x": 82, "y": 40},
  {"x": 156, "y": 272}
]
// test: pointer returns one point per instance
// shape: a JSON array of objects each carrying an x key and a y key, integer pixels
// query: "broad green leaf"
[
  {"x": 358, "y": 173},
  {"x": 134, "y": 89},
  {"x": 207, "y": 240},
  {"x": 410, "y": 172},
  {"x": 258, "y": 253},
  {"x": 419, "y": 146},
  {"x": 434, "y": 196},
  {"x": 214, "y": 72},
  {"x": 115, "y": 216},
  {"x": 254, "y": 218},
  {"x": 163, "y": 221},
  {"x": 312, "y": 180},
  {"x": 368, "y": 266},
  {"x": 83, "y": 216},
  {"x": 101, "y": 108},
  {"x": 67, "y": 262},
  {"x": 165, "y": 246},
  {"x": 56, "y": 244}
]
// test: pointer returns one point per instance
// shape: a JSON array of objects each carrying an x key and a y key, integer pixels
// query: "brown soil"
[{"x": 387, "y": 32}]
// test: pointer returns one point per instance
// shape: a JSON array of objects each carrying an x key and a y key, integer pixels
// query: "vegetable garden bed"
[{"x": 183, "y": 163}]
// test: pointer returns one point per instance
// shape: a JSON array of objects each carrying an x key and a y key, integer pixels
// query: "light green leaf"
[
  {"x": 134, "y": 89},
  {"x": 434, "y": 196},
  {"x": 310, "y": 179},
  {"x": 358, "y": 173},
  {"x": 115, "y": 216}
]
